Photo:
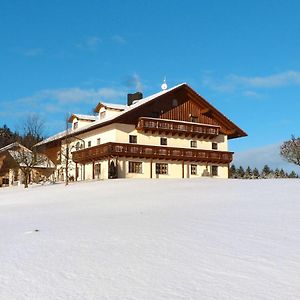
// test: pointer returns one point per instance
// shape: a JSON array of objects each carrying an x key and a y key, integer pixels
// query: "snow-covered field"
[{"x": 151, "y": 239}]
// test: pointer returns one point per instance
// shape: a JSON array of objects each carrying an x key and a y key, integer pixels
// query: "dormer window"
[
  {"x": 75, "y": 125},
  {"x": 102, "y": 114}
]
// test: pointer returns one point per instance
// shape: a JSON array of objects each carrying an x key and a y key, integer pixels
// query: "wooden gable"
[{"x": 183, "y": 104}]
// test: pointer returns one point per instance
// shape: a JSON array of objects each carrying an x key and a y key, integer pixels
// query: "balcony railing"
[
  {"x": 151, "y": 152},
  {"x": 177, "y": 127}
]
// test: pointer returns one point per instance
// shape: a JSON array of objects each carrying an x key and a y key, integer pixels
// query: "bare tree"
[
  {"x": 65, "y": 152},
  {"x": 28, "y": 160},
  {"x": 26, "y": 156},
  {"x": 32, "y": 131},
  {"x": 290, "y": 150}
]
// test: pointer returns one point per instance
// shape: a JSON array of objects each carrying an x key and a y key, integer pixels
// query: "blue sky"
[{"x": 66, "y": 56}]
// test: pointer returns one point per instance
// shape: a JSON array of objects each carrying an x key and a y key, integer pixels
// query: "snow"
[{"x": 151, "y": 239}]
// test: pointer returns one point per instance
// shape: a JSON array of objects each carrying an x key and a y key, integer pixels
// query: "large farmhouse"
[{"x": 174, "y": 133}]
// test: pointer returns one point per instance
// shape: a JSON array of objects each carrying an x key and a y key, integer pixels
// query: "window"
[
  {"x": 89, "y": 143},
  {"x": 214, "y": 170},
  {"x": 155, "y": 114},
  {"x": 134, "y": 167},
  {"x": 214, "y": 146},
  {"x": 98, "y": 141},
  {"x": 75, "y": 125},
  {"x": 102, "y": 114},
  {"x": 193, "y": 144},
  {"x": 163, "y": 141},
  {"x": 193, "y": 169},
  {"x": 132, "y": 139},
  {"x": 161, "y": 168},
  {"x": 194, "y": 119},
  {"x": 97, "y": 170},
  {"x": 77, "y": 146},
  {"x": 174, "y": 102}
]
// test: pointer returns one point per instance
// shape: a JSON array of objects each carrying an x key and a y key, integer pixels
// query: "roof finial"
[{"x": 164, "y": 86}]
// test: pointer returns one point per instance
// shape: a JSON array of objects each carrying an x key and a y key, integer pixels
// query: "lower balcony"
[{"x": 150, "y": 152}]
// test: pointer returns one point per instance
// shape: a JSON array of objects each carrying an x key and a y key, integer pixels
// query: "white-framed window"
[
  {"x": 77, "y": 146},
  {"x": 132, "y": 139},
  {"x": 164, "y": 141},
  {"x": 193, "y": 144},
  {"x": 89, "y": 143},
  {"x": 97, "y": 170},
  {"x": 214, "y": 170},
  {"x": 193, "y": 169},
  {"x": 135, "y": 167},
  {"x": 214, "y": 146},
  {"x": 161, "y": 168},
  {"x": 102, "y": 114},
  {"x": 98, "y": 141},
  {"x": 75, "y": 125}
]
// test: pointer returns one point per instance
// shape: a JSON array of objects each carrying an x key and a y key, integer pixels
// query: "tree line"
[
  {"x": 265, "y": 173},
  {"x": 30, "y": 134}
]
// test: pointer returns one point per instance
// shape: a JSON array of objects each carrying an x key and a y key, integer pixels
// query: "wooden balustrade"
[
  {"x": 152, "y": 152},
  {"x": 177, "y": 127}
]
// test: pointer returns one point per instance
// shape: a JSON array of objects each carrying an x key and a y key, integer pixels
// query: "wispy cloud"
[
  {"x": 134, "y": 81},
  {"x": 72, "y": 95},
  {"x": 90, "y": 43},
  {"x": 53, "y": 104},
  {"x": 32, "y": 52},
  {"x": 234, "y": 82},
  {"x": 118, "y": 39}
]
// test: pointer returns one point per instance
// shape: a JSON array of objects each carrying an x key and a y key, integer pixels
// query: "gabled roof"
[
  {"x": 13, "y": 146},
  {"x": 114, "y": 106},
  {"x": 43, "y": 162},
  {"x": 236, "y": 131},
  {"x": 82, "y": 117}
]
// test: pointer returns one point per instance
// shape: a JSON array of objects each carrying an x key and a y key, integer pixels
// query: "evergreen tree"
[
  {"x": 256, "y": 174},
  {"x": 240, "y": 172},
  {"x": 248, "y": 173},
  {"x": 232, "y": 171},
  {"x": 282, "y": 174},
  {"x": 276, "y": 173},
  {"x": 293, "y": 175},
  {"x": 266, "y": 171}
]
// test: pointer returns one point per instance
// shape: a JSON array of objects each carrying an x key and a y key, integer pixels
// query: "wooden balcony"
[
  {"x": 151, "y": 152},
  {"x": 172, "y": 127}
]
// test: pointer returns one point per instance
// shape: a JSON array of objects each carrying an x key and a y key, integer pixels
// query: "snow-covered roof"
[
  {"x": 100, "y": 122},
  {"x": 114, "y": 106},
  {"x": 42, "y": 161},
  {"x": 12, "y": 145},
  {"x": 83, "y": 117}
]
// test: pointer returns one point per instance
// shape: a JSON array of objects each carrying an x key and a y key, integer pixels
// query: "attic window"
[
  {"x": 102, "y": 114},
  {"x": 194, "y": 119},
  {"x": 75, "y": 125},
  {"x": 174, "y": 102},
  {"x": 155, "y": 114}
]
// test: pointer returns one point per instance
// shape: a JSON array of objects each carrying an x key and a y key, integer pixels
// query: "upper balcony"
[
  {"x": 162, "y": 126},
  {"x": 150, "y": 152}
]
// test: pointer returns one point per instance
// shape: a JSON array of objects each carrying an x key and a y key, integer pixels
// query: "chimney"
[{"x": 134, "y": 97}]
